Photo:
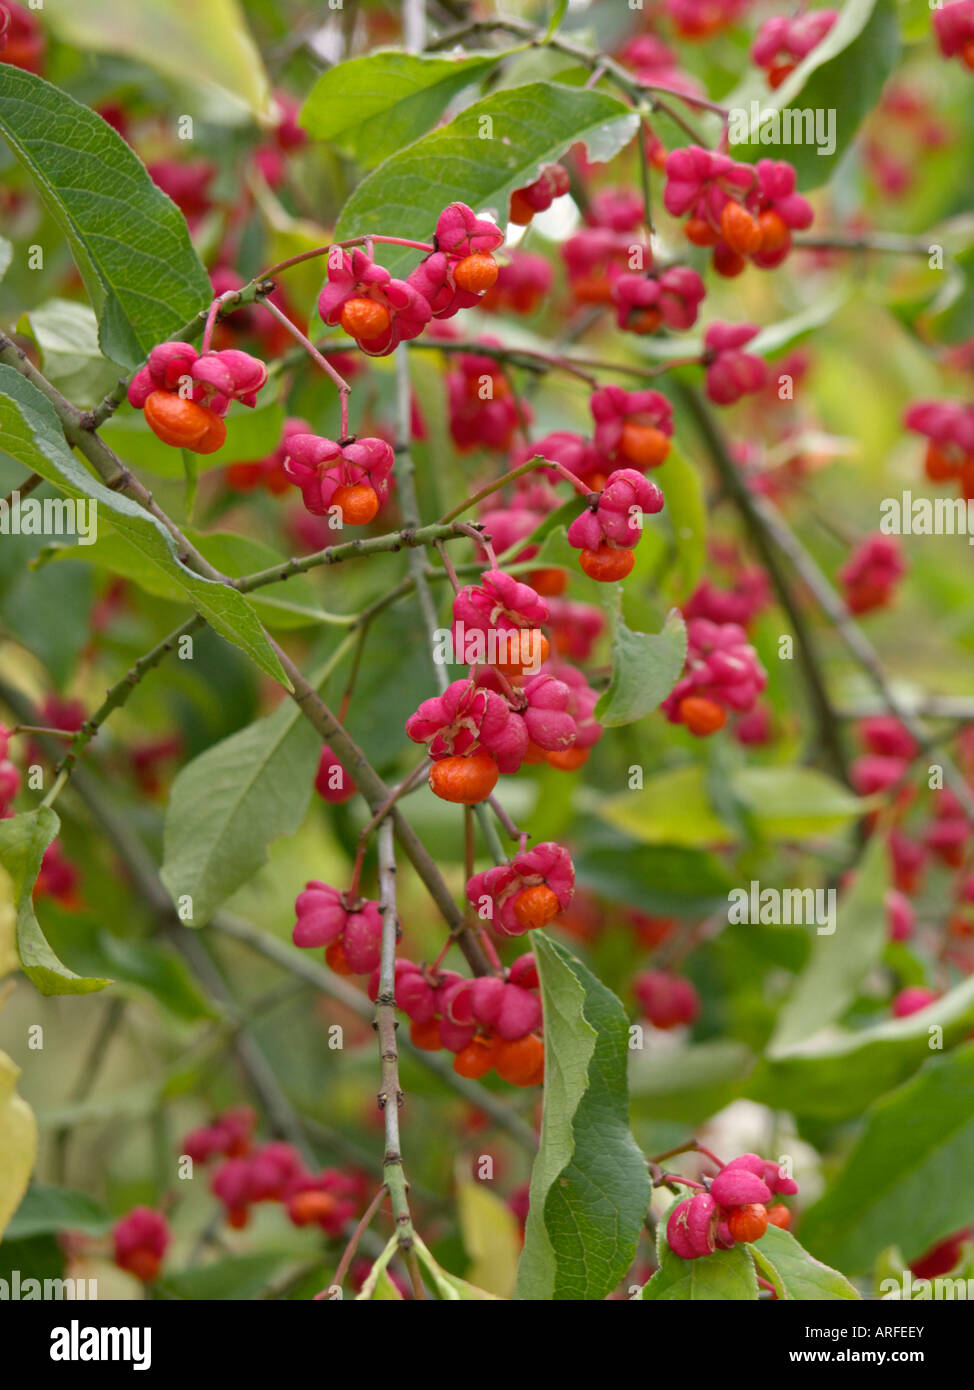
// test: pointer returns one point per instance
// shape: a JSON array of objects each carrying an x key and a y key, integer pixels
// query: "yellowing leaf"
[
  {"x": 18, "y": 1142},
  {"x": 203, "y": 41},
  {"x": 490, "y": 1236}
]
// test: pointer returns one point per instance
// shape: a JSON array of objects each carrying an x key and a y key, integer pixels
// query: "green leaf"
[
  {"x": 840, "y": 960},
  {"x": 725, "y": 1276},
  {"x": 23, "y": 840},
  {"x": 903, "y": 1183},
  {"x": 835, "y": 1078},
  {"x": 480, "y": 158},
  {"x": 6, "y": 255},
  {"x": 290, "y": 603},
  {"x": 449, "y": 1287},
  {"x": 672, "y": 808},
  {"x": 66, "y": 334},
  {"x": 384, "y": 1290},
  {"x": 686, "y": 511},
  {"x": 683, "y": 882},
  {"x": 32, "y": 435},
  {"x": 645, "y": 668},
  {"x": 790, "y": 803},
  {"x": 795, "y": 1274},
  {"x": 50, "y": 612},
  {"x": 373, "y": 107},
  {"x": 694, "y": 1083},
  {"x": 227, "y": 805},
  {"x": 47, "y": 1209},
  {"x": 557, "y": 15},
  {"x": 160, "y": 971},
  {"x": 914, "y": 19},
  {"x": 129, "y": 241},
  {"x": 191, "y": 41},
  {"x": 251, "y": 435},
  {"x": 784, "y": 803},
  {"x": 239, "y": 1277},
  {"x": 377, "y": 1274},
  {"x": 589, "y": 1185},
  {"x": 844, "y": 75}
]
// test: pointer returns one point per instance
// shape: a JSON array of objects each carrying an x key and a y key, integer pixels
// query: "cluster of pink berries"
[
  {"x": 381, "y": 312},
  {"x": 526, "y": 893},
  {"x": 606, "y": 266},
  {"x": 722, "y": 673},
  {"x": 939, "y": 831},
  {"x": 273, "y": 1172},
  {"x": 349, "y": 927},
  {"x": 870, "y": 576},
  {"x": 22, "y": 41},
  {"x": 748, "y": 596},
  {"x": 185, "y": 394},
  {"x": 490, "y": 1023},
  {"x": 473, "y": 732},
  {"x": 483, "y": 411},
  {"x": 744, "y": 211},
  {"x": 668, "y": 1001},
  {"x": 140, "y": 1241},
  {"x": 701, "y": 19},
  {"x": 352, "y": 476},
  {"x": 735, "y": 606},
  {"x": 632, "y": 434},
  {"x": 732, "y": 373},
  {"x": 784, "y": 40},
  {"x": 732, "y": 1208},
  {"x": 229, "y": 1134},
  {"x": 553, "y": 182},
  {"x": 948, "y": 427},
  {"x": 609, "y": 528}
]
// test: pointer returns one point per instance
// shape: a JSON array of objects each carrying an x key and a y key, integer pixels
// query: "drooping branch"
[
  {"x": 340, "y": 990},
  {"x": 116, "y": 475},
  {"x": 746, "y": 503},
  {"x": 857, "y": 643}
]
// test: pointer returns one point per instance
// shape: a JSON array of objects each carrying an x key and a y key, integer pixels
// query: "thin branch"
[
  {"x": 337, "y": 988},
  {"x": 342, "y": 386},
  {"x": 120, "y": 692},
  {"x": 390, "y": 1093},
  {"x": 408, "y": 538},
  {"x": 348, "y": 1254},
  {"x": 877, "y": 241},
  {"x": 24, "y": 489},
  {"x": 542, "y": 362}
]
